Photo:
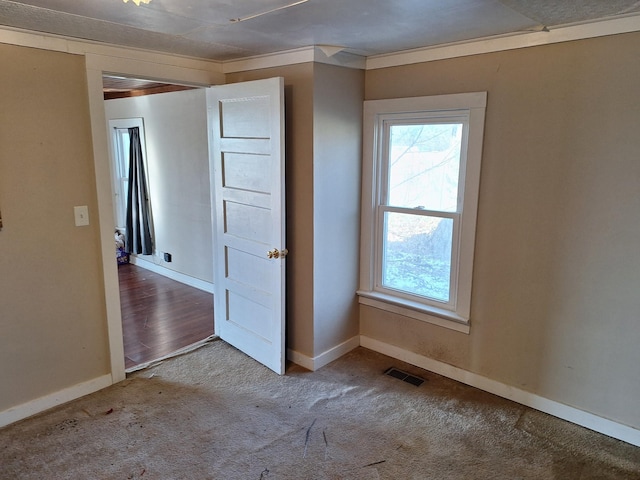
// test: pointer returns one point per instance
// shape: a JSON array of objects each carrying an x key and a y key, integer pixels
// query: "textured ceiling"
[{"x": 209, "y": 28}]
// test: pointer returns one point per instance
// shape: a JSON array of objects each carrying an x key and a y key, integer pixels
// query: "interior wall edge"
[
  {"x": 565, "y": 412},
  {"x": 105, "y": 222}
]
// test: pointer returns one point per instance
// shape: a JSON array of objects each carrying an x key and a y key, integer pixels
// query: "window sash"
[
  {"x": 121, "y": 143},
  {"x": 385, "y": 123},
  {"x": 379, "y": 244},
  {"x": 383, "y": 155}
]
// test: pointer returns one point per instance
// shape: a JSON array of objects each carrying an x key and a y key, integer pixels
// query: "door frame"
[{"x": 193, "y": 73}]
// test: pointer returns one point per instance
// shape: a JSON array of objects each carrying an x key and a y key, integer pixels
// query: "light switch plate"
[{"x": 81, "y": 214}]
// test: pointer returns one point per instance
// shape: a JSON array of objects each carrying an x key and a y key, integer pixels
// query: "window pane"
[
  {"x": 123, "y": 152},
  {"x": 424, "y": 166},
  {"x": 416, "y": 256}
]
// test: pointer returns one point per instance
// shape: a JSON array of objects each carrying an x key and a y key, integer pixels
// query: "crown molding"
[
  {"x": 618, "y": 25},
  {"x": 330, "y": 55},
  {"x": 60, "y": 43},
  {"x": 278, "y": 59}
]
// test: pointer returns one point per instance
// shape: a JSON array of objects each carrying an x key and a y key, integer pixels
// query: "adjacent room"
[
  {"x": 166, "y": 287},
  {"x": 447, "y": 188}
]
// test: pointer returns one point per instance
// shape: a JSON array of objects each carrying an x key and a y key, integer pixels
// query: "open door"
[{"x": 246, "y": 136}]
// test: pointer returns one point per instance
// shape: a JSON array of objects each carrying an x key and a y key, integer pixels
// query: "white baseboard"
[
  {"x": 172, "y": 274},
  {"x": 315, "y": 363},
  {"x": 593, "y": 422},
  {"x": 41, "y": 404}
]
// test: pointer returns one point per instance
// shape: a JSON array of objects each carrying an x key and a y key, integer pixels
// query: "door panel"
[
  {"x": 248, "y": 269},
  {"x": 248, "y": 221},
  {"x": 248, "y": 313},
  {"x": 246, "y": 124},
  {"x": 247, "y": 117},
  {"x": 246, "y": 172}
]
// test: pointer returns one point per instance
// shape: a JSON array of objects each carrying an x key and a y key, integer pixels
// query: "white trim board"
[
  {"x": 318, "y": 54},
  {"x": 316, "y": 363},
  {"x": 585, "y": 419},
  {"x": 25, "y": 410},
  {"x": 624, "y": 24},
  {"x": 60, "y": 43},
  {"x": 172, "y": 274}
]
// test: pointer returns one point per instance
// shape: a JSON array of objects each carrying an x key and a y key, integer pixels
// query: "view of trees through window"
[{"x": 421, "y": 207}]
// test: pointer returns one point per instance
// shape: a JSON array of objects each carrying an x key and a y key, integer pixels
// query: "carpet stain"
[{"x": 64, "y": 425}]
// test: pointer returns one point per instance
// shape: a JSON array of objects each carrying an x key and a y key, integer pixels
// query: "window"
[
  {"x": 120, "y": 143},
  {"x": 420, "y": 194}
]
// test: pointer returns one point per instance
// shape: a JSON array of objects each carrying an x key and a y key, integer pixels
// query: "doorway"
[{"x": 166, "y": 298}]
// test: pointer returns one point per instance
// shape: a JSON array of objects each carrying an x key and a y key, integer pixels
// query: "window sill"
[{"x": 407, "y": 308}]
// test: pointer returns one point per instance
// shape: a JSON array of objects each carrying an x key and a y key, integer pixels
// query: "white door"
[{"x": 246, "y": 126}]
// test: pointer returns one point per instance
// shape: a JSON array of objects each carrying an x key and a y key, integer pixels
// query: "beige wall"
[
  {"x": 555, "y": 296},
  {"x": 337, "y": 132},
  {"x": 52, "y": 313},
  {"x": 298, "y": 81}
]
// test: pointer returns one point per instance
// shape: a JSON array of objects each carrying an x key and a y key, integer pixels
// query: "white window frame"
[{"x": 377, "y": 113}]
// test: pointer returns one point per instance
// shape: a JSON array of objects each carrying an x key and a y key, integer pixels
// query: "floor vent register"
[{"x": 404, "y": 376}]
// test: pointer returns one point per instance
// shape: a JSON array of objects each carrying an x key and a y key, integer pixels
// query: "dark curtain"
[{"x": 138, "y": 234}]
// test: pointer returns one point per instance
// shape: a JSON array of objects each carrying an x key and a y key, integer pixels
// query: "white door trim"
[{"x": 96, "y": 66}]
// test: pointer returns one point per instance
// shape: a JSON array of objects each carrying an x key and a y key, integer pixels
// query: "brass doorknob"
[{"x": 275, "y": 253}]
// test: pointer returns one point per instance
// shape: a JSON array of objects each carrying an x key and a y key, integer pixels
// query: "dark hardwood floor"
[{"x": 160, "y": 315}]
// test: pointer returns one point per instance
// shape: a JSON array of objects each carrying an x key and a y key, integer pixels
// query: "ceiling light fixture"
[
  {"x": 138, "y": 2},
  {"x": 236, "y": 20}
]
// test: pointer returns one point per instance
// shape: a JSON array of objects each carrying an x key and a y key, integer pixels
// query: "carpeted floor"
[{"x": 216, "y": 414}]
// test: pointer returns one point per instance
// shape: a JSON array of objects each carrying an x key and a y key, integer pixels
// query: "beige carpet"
[{"x": 216, "y": 414}]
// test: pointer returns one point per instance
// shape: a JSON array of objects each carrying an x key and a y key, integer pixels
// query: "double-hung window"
[{"x": 420, "y": 193}]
